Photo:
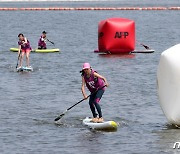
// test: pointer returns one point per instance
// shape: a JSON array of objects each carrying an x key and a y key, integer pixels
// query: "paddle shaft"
[
  {"x": 60, "y": 116},
  {"x": 145, "y": 46},
  {"x": 50, "y": 41},
  {"x": 18, "y": 59}
]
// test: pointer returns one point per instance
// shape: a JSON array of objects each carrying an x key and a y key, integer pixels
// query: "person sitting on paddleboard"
[
  {"x": 24, "y": 48},
  {"x": 42, "y": 41},
  {"x": 95, "y": 83}
]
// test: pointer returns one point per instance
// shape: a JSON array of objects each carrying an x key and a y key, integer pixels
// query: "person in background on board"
[
  {"x": 24, "y": 48},
  {"x": 42, "y": 41},
  {"x": 95, "y": 84}
]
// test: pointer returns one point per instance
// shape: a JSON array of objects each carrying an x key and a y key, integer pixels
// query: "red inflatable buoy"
[{"x": 116, "y": 36}]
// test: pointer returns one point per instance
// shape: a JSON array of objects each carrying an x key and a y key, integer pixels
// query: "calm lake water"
[{"x": 31, "y": 101}]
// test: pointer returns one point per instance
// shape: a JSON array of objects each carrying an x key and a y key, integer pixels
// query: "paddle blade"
[
  {"x": 50, "y": 41},
  {"x": 60, "y": 116}
]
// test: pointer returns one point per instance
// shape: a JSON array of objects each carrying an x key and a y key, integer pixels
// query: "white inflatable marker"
[{"x": 168, "y": 84}]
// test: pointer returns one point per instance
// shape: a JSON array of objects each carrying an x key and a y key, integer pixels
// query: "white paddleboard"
[
  {"x": 168, "y": 84},
  {"x": 24, "y": 68},
  {"x": 105, "y": 126},
  {"x": 143, "y": 51}
]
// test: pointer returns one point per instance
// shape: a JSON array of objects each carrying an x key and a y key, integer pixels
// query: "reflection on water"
[
  {"x": 121, "y": 56},
  {"x": 168, "y": 136}
]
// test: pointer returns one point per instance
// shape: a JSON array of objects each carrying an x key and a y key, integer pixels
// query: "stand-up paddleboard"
[
  {"x": 14, "y": 49},
  {"x": 135, "y": 51},
  {"x": 143, "y": 51},
  {"x": 46, "y": 50},
  {"x": 24, "y": 69},
  {"x": 168, "y": 84},
  {"x": 104, "y": 126},
  {"x": 38, "y": 50}
]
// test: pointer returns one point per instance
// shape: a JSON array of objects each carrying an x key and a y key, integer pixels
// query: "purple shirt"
[
  {"x": 24, "y": 46},
  {"x": 93, "y": 83},
  {"x": 42, "y": 42}
]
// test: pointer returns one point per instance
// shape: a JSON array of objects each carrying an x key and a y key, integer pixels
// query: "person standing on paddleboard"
[
  {"x": 24, "y": 48},
  {"x": 95, "y": 83},
  {"x": 42, "y": 41}
]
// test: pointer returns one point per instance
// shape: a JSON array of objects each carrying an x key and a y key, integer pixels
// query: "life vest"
[
  {"x": 93, "y": 83},
  {"x": 24, "y": 46}
]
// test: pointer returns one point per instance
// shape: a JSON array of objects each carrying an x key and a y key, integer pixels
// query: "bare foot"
[
  {"x": 94, "y": 120},
  {"x": 100, "y": 120}
]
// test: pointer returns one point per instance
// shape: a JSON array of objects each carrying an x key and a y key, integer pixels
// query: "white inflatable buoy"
[{"x": 168, "y": 84}]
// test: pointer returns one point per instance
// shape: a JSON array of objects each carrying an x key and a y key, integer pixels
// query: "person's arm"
[
  {"x": 19, "y": 50},
  {"x": 44, "y": 39},
  {"x": 25, "y": 41},
  {"x": 102, "y": 77},
  {"x": 83, "y": 88}
]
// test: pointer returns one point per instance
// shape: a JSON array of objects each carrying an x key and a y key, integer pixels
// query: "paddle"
[
  {"x": 18, "y": 59},
  {"x": 61, "y": 115},
  {"x": 50, "y": 41},
  {"x": 145, "y": 46}
]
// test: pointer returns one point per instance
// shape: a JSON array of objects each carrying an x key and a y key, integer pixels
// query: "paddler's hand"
[
  {"x": 85, "y": 97},
  {"x": 107, "y": 84}
]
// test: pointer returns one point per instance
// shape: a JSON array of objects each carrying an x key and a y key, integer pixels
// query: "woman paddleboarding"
[
  {"x": 42, "y": 41},
  {"x": 95, "y": 83},
  {"x": 24, "y": 48}
]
